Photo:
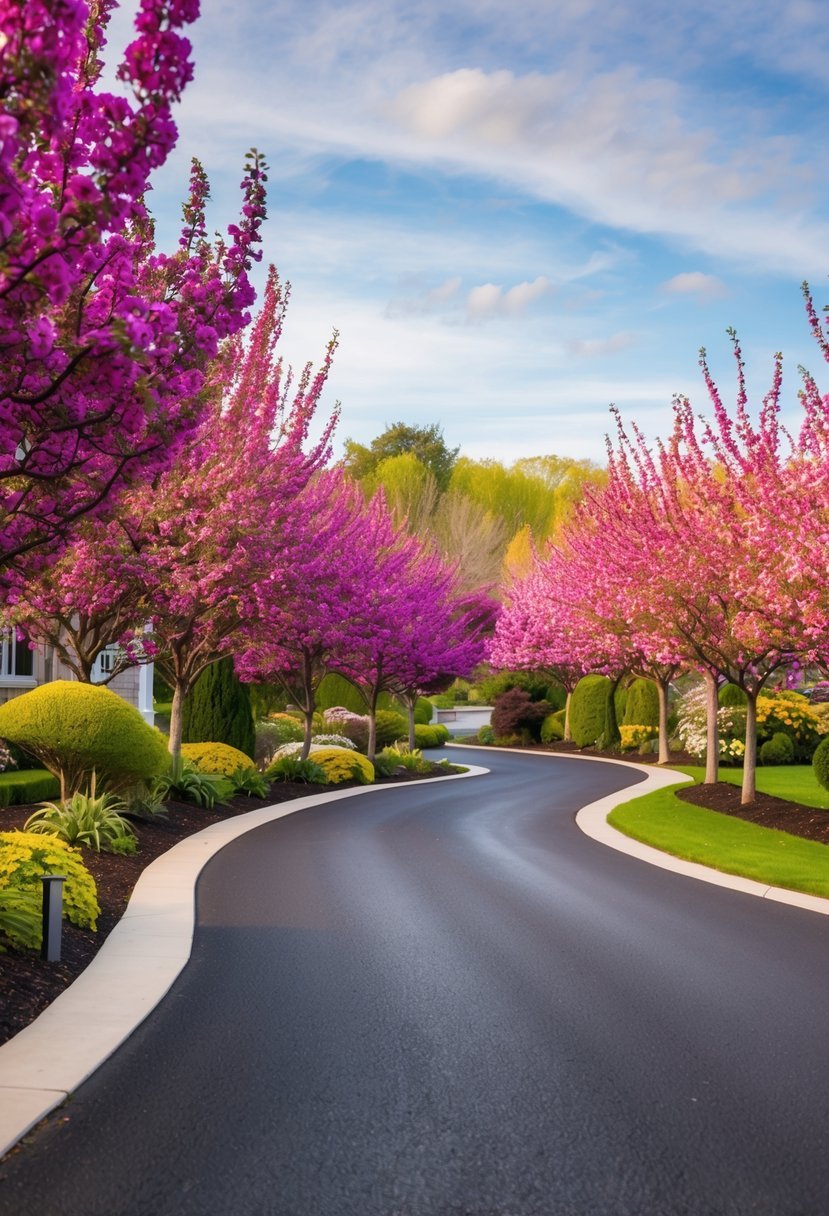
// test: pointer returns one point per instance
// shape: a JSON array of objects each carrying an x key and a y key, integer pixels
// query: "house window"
[
  {"x": 16, "y": 659},
  {"x": 105, "y": 663}
]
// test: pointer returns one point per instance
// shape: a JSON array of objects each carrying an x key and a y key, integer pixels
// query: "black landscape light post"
[{"x": 52, "y": 915}]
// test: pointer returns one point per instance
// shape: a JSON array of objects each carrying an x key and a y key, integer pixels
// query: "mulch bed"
[
  {"x": 767, "y": 811},
  {"x": 28, "y": 985}
]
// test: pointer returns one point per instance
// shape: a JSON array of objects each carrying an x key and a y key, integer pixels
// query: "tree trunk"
[
  {"x": 712, "y": 747},
  {"x": 410, "y": 715},
  {"x": 662, "y": 691},
  {"x": 749, "y": 791},
  {"x": 308, "y": 720},
  {"x": 568, "y": 734},
  {"x": 176, "y": 721},
  {"x": 371, "y": 750}
]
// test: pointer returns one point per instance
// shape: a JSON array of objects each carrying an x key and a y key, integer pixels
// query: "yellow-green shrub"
[
  {"x": 25, "y": 856},
  {"x": 76, "y": 729},
  {"x": 215, "y": 757},
  {"x": 633, "y": 736},
  {"x": 339, "y": 765}
]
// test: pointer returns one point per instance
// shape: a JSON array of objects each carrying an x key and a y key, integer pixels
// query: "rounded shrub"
[
  {"x": 434, "y": 735},
  {"x": 641, "y": 704},
  {"x": 391, "y": 726},
  {"x": 343, "y": 722},
  {"x": 730, "y": 694},
  {"x": 340, "y": 765},
  {"x": 423, "y": 711},
  {"x": 486, "y": 735},
  {"x": 779, "y": 749},
  {"x": 76, "y": 729},
  {"x": 552, "y": 728},
  {"x": 26, "y": 856},
  {"x": 820, "y": 763},
  {"x": 215, "y": 757},
  {"x": 588, "y": 708},
  {"x": 556, "y": 697}
]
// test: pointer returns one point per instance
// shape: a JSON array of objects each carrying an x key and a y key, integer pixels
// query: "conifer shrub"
[
  {"x": 641, "y": 704},
  {"x": 218, "y": 709},
  {"x": 556, "y": 697},
  {"x": 215, "y": 758},
  {"x": 76, "y": 729},
  {"x": 779, "y": 749},
  {"x": 516, "y": 714},
  {"x": 588, "y": 709}
]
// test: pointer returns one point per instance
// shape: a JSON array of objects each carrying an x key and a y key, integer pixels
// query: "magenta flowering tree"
[
  {"x": 304, "y": 604},
  {"x": 105, "y": 340}
]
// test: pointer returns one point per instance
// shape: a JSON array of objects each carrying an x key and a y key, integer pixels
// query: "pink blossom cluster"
[{"x": 105, "y": 340}]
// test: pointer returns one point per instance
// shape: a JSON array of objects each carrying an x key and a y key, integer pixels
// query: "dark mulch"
[
  {"x": 766, "y": 810},
  {"x": 28, "y": 985}
]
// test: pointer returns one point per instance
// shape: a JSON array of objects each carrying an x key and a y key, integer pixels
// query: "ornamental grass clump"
[
  {"x": 89, "y": 819},
  {"x": 291, "y": 768}
]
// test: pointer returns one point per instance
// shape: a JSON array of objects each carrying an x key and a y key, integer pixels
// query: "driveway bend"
[{"x": 447, "y": 1001}]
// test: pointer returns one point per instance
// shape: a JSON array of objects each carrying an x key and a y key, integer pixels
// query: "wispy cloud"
[
  {"x": 599, "y": 348},
  {"x": 695, "y": 283}
]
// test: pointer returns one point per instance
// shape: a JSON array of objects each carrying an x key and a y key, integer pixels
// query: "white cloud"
[
  {"x": 695, "y": 283},
  {"x": 490, "y": 300},
  {"x": 598, "y": 348}
]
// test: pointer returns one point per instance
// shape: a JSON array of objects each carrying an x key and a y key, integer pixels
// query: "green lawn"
[
  {"x": 796, "y": 782},
  {"x": 725, "y": 843}
]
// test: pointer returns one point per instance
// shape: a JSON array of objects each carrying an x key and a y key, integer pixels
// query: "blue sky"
[{"x": 516, "y": 214}]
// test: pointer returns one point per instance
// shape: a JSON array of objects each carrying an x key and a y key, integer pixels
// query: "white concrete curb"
[
  {"x": 592, "y": 819},
  {"x": 130, "y": 974}
]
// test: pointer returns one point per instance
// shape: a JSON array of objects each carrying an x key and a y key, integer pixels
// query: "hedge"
[{"x": 20, "y": 787}]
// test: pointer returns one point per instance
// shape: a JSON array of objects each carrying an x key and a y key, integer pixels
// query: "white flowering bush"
[
  {"x": 691, "y": 726},
  {"x": 294, "y": 749},
  {"x": 334, "y": 741}
]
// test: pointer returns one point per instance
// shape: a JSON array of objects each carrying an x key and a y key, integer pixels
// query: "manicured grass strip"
[
  {"x": 20, "y": 787},
  {"x": 794, "y": 782},
  {"x": 724, "y": 843}
]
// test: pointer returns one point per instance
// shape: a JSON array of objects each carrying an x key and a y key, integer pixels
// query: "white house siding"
[{"x": 134, "y": 685}]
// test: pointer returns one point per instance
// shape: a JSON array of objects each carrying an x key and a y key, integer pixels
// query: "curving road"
[{"x": 446, "y": 1001}]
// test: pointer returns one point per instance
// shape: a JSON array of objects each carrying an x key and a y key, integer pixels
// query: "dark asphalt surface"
[{"x": 446, "y": 1001}]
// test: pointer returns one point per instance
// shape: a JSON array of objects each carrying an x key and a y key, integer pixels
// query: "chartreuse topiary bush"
[
  {"x": 24, "y": 858},
  {"x": 76, "y": 730},
  {"x": 215, "y": 757},
  {"x": 391, "y": 726},
  {"x": 820, "y": 763},
  {"x": 588, "y": 709},
  {"x": 552, "y": 728},
  {"x": 340, "y": 765}
]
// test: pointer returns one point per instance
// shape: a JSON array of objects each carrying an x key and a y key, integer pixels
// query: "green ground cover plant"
[{"x": 724, "y": 843}]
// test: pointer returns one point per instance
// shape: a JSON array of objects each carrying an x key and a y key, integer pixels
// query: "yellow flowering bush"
[
  {"x": 792, "y": 715},
  {"x": 339, "y": 765},
  {"x": 215, "y": 757},
  {"x": 24, "y": 858},
  {"x": 634, "y": 736}
]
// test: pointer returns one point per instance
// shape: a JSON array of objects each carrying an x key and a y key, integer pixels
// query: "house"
[{"x": 22, "y": 669}]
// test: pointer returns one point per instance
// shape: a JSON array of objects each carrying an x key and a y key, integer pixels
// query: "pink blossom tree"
[{"x": 105, "y": 341}]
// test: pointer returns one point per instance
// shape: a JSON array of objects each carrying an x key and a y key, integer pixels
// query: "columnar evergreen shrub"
[
  {"x": 641, "y": 704},
  {"x": 218, "y": 709},
  {"x": 76, "y": 729},
  {"x": 730, "y": 694},
  {"x": 588, "y": 709}
]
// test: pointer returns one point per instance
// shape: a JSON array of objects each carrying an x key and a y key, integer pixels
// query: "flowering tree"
[
  {"x": 304, "y": 605},
  {"x": 104, "y": 339}
]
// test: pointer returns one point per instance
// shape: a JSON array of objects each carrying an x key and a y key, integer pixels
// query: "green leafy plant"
[
  {"x": 391, "y": 759},
  {"x": 187, "y": 784},
  {"x": 143, "y": 803},
  {"x": 779, "y": 749},
  {"x": 486, "y": 735},
  {"x": 20, "y": 918},
  {"x": 248, "y": 781},
  {"x": 89, "y": 819},
  {"x": 291, "y": 768}
]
